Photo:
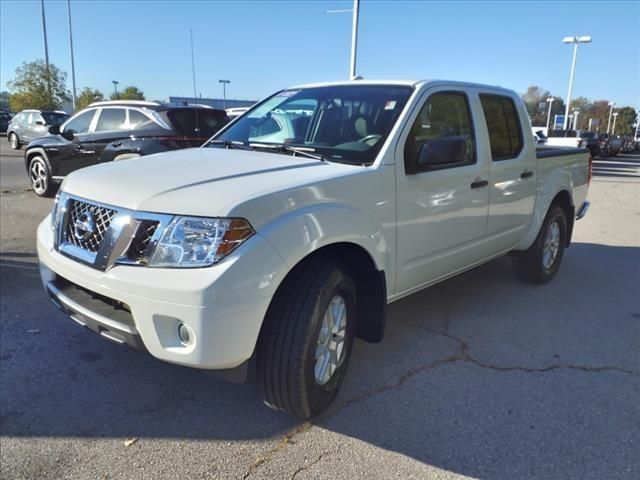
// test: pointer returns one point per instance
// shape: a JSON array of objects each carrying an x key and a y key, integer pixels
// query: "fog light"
[{"x": 183, "y": 334}]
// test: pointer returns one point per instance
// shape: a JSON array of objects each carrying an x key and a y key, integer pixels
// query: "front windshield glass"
[{"x": 343, "y": 123}]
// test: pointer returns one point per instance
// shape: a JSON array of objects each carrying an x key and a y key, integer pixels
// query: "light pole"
[
  {"x": 576, "y": 111},
  {"x": 550, "y": 100},
  {"x": 46, "y": 49},
  {"x": 224, "y": 92},
  {"x": 613, "y": 130},
  {"x": 611, "y": 104},
  {"x": 575, "y": 41},
  {"x": 73, "y": 67},
  {"x": 637, "y": 123},
  {"x": 115, "y": 89},
  {"x": 354, "y": 35}
]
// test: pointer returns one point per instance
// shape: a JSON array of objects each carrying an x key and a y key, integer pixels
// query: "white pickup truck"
[{"x": 286, "y": 235}]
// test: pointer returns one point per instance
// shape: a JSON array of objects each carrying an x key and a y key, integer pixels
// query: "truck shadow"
[{"x": 480, "y": 375}]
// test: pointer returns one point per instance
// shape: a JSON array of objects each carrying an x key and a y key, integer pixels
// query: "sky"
[{"x": 263, "y": 46}]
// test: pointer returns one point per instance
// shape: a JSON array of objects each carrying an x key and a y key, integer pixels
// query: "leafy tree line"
[
  {"x": 35, "y": 86},
  {"x": 535, "y": 99}
]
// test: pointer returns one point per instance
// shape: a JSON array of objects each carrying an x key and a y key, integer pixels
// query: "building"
[{"x": 214, "y": 102}]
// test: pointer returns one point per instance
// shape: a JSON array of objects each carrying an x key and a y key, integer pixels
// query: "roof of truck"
[{"x": 407, "y": 83}]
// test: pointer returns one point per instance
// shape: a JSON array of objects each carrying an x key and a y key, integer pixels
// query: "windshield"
[
  {"x": 343, "y": 123},
  {"x": 54, "y": 118}
]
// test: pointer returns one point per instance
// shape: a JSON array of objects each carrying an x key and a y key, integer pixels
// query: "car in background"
[
  {"x": 117, "y": 130},
  {"x": 30, "y": 124},
  {"x": 539, "y": 137},
  {"x": 591, "y": 141},
  {"x": 5, "y": 118},
  {"x": 236, "y": 111},
  {"x": 564, "y": 138},
  {"x": 610, "y": 145}
]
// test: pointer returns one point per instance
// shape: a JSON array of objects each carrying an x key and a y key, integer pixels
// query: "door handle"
[
  {"x": 526, "y": 174},
  {"x": 479, "y": 183}
]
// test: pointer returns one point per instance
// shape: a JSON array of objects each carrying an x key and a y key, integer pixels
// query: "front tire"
[
  {"x": 306, "y": 342},
  {"x": 540, "y": 262},
  {"x": 14, "y": 141},
  {"x": 40, "y": 177}
]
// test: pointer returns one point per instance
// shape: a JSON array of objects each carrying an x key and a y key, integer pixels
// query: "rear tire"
[
  {"x": 303, "y": 354},
  {"x": 540, "y": 262},
  {"x": 14, "y": 141},
  {"x": 40, "y": 177}
]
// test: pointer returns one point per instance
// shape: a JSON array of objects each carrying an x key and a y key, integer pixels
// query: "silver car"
[{"x": 30, "y": 124}]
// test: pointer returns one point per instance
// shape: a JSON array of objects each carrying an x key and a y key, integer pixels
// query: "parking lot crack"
[
  {"x": 282, "y": 444},
  {"x": 315, "y": 462},
  {"x": 465, "y": 355}
]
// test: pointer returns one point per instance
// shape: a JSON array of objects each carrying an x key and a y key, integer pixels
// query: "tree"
[
  {"x": 535, "y": 99},
  {"x": 625, "y": 121},
  {"x": 35, "y": 86},
  {"x": 87, "y": 97},
  {"x": 583, "y": 105},
  {"x": 129, "y": 93}
]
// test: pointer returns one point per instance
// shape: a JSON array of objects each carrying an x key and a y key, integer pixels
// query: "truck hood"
[{"x": 197, "y": 181}]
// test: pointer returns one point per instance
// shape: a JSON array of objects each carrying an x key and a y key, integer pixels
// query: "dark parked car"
[
  {"x": 30, "y": 124},
  {"x": 5, "y": 118},
  {"x": 117, "y": 130},
  {"x": 591, "y": 141}
]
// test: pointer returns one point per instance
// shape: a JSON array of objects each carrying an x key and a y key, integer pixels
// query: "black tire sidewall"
[
  {"x": 337, "y": 282},
  {"x": 556, "y": 214}
]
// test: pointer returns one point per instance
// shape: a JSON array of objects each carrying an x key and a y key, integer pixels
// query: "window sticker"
[{"x": 390, "y": 105}]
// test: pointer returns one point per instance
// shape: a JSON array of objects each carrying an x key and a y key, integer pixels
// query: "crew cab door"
[
  {"x": 512, "y": 173},
  {"x": 74, "y": 154},
  {"x": 441, "y": 185},
  {"x": 110, "y": 128}
]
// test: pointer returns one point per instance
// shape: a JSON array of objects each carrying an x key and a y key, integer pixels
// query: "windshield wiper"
[
  {"x": 229, "y": 144},
  {"x": 295, "y": 150}
]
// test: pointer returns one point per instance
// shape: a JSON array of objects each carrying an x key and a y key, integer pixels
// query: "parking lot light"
[
  {"x": 576, "y": 40},
  {"x": 615, "y": 116},
  {"x": 550, "y": 100},
  {"x": 611, "y": 104}
]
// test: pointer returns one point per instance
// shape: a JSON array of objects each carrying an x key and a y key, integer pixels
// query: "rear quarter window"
[
  {"x": 503, "y": 125},
  {"x": 198, "y": 122}
]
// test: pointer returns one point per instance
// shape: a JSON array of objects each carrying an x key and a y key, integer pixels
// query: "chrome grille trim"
[{"x": 123, "y": 236}]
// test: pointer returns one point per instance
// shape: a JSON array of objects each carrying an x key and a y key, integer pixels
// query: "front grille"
[
  {"x": 102, "y": 217},
  {"x": 102, "y": 236},
  {"x": 141, "y": 240}
]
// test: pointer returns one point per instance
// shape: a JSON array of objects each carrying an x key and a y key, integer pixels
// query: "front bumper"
[{"x": 221, "y": 306}]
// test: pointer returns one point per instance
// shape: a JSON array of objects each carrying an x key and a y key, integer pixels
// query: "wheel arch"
[
  {"x": 562, "y": 197},
  {"x": 32, "y": 152},
  {"x": 371, "y": 285}
]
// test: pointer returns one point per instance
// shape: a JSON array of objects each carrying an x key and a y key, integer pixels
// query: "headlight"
[{"x": 199, "y": 242}]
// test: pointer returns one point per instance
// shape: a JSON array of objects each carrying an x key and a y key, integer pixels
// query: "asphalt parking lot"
[{"x": 480, "y": 376}]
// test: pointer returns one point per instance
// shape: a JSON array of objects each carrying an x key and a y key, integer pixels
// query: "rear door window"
[
  {"x": 503, "y": 124},
  {"x": 111, "y": 119}
]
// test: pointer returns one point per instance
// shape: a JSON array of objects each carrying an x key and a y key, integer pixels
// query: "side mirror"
[
  {"x": 68, "y": 134},
  {"x": 54, "y": 129},
  {"x": 441, "y": 151}
]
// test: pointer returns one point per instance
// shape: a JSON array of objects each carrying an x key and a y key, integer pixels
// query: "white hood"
[{"x": 196, "y": 181}]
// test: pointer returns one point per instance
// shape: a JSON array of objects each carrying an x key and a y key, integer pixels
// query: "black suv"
[
  {"x": 30, "y": 124},
  {"x": 117, "y": 130}
]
